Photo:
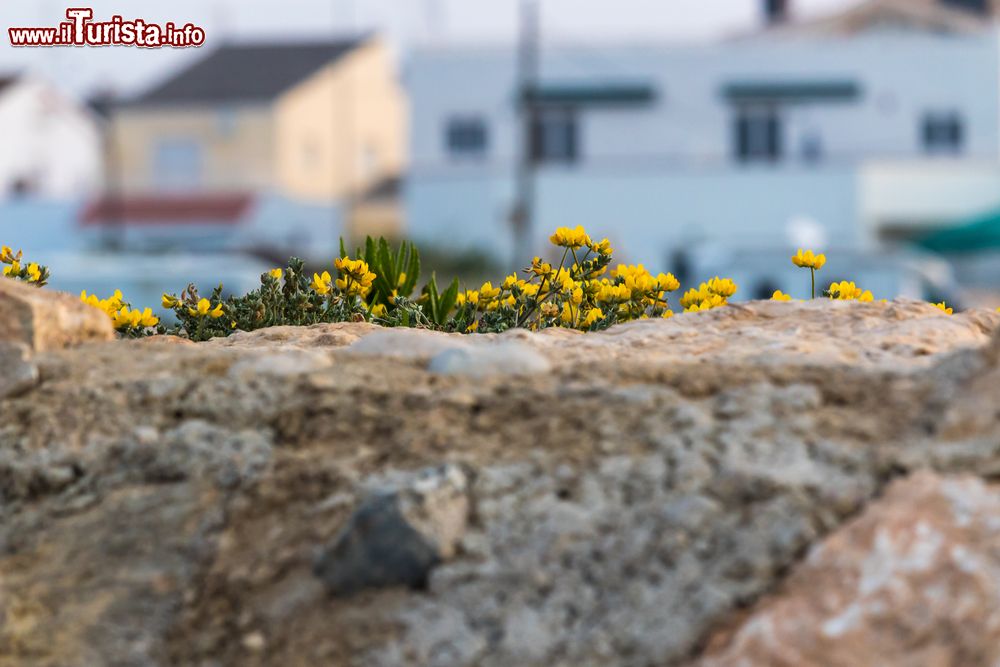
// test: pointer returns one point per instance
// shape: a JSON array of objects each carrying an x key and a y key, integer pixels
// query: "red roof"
[{"x": 215, "y": 209}]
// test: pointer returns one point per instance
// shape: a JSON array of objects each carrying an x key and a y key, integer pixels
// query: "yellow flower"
[
  {"x": 204, "y": 308},
  {"x": 780, "y": 296},
  {"x": 848, "y": 291},
  {"x": 472, "y": 327},
  {"x": 379, "y": 310},
  {"x": 13, "y": 270},
  {"x": 724, "y": 287},
  {"x": 667, "y": 314},
  {"x": 593, "y": 315},
  {"x": 169, "y": 301},
  {"x": 602, "y": 248},
  {"x": 667, "y": 282},
  {"x": 7, "y": 255},
  {"x": 34, "y": 273},
  {"x": 148, "y": 319},
  {"x": 540, "y": 268},
  {"x": 509, "y": 282},
  {"x": 576, "y": 297},
  {"x": 942, "y": 306},
  {"x": 574, "y": 239},
  {"x": 402, "y": 280},
  {"x": 808, "y": 260},
  {"x": 568, "y": 315},
  {"x": 487, "y": 292},
  {"x": 470, "y": 297},
  {"x": 277, "y": 274},
  {"x": 321, "y": 283}
]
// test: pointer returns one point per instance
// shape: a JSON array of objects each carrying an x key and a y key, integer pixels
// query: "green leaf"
[{"x": 447, "y": 302}]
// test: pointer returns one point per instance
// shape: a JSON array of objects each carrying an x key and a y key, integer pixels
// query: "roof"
[
  {"x": 247, "y": 72},
  {"x": 212, "y": 209},
  {"x": 930, "y": 15}
]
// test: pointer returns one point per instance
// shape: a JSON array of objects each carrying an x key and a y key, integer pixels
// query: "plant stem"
[{"x": 812, "y": 271}]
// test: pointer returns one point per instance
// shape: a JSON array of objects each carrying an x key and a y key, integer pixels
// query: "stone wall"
[{"x": 765, "y": 480}]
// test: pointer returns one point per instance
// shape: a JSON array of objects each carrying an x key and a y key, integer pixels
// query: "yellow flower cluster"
[
  {"x": 16, "y": 268},
  {"x": 355, "y": 277},
  {"x": 123, "y": 316},
  {"x": 578, "y": 292},
  {"x": 848, "y": 291},
  {"x": 711, "y": 294}
]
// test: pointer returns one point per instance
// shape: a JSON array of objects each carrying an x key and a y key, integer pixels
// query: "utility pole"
[{"x": 522, "y": 214}]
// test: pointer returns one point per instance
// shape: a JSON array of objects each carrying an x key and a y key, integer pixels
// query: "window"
[
  {"x": 467, "y": 137},
  {"x": 177, "y": 164},
  {"x": 758, "y": 135},
  {"x": 554, "y": 136},
  {"x": 943, "y": 132}
]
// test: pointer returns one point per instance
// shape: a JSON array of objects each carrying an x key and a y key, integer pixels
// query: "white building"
[
  {"x": 875, "y": 126},
  {"x": 50, "y": 145}
]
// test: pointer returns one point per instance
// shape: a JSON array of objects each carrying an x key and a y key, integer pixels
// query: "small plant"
[
  {"x": 15, "y": 267},
  {"x": 808, "y": 260}
]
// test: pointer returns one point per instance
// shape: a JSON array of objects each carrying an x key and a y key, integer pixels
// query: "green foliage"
[
  {"x": 397, "y": 273},
  {"x": 438, "y": 306}
]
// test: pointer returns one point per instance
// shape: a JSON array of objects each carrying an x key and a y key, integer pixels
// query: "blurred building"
[
  {"x": 49, "y": 144},
  {"x": 856, "y": 131},
  {"x": 278, "y": 144}
]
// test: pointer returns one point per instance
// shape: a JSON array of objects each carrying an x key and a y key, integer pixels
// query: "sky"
[{"x": 408, "y": 23}]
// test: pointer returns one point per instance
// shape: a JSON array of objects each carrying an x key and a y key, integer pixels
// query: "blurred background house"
[
  {"x": 50, "y": 143},
  {"x": 861, "y": 132},
  {"x": 269, "y": 147},
  {"x": 869, "y": 129}
]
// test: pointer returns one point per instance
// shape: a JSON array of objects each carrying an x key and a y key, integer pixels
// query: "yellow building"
[{"x": 322, "y": 123}]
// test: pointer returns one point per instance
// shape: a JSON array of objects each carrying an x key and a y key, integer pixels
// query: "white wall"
[
  {"x": 656, "y": 172},
  {"x": 49, "y": 139}
]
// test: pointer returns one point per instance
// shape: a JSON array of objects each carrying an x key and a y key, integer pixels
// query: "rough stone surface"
[
  {"x": 47, "y": 320},
  {"x": 914, "y": 581},
  {"x": 18, "y": 373},
  {"x": 396, "y": 538},
  {"x": 168, "y": 504},
  {"x": 504, "y": 358}
]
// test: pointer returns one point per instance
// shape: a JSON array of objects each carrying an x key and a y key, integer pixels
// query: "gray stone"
[
  {"x": 406, "y": 344},
  {"x": 396, "y": 538},
  {"x": 18, "y": 373},
  {"x": 508, "y": 358}
]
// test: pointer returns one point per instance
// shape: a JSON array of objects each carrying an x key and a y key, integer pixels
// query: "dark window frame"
[
  {"x": 943, "y": 132},
  {"x": 758, "y": 134},
  {"x": 467, "y": 136},
  {"x": 546, "y": 146}
]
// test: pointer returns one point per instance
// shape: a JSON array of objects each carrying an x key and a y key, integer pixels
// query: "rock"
[
  {"x": 914, "y": 580},
  {"x": 395, "y": 539},
  {"x": 197, "y": 503},
  {"x": 408, "y": 343},
  {"x": 44, "y": 319},
  {"x": 18, "y": 373},
  {"x": 507, "y": 358}
]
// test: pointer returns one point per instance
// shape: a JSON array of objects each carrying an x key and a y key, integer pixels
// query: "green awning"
[
  {"x": 591, "y": 94},
  {"x": 981, "y": 233},
  {"x": 791, "y": 91}
]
